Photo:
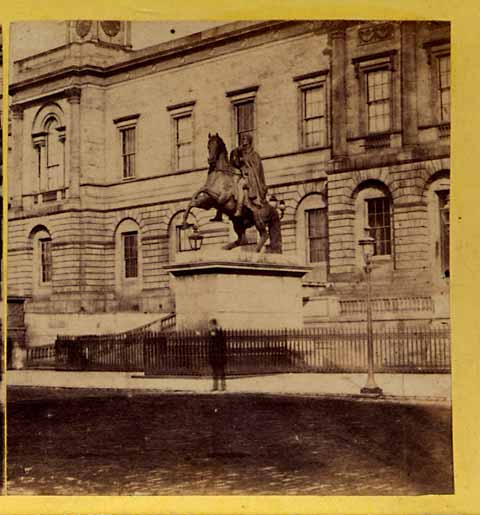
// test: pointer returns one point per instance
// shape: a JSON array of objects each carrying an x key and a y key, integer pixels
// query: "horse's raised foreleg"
[
  {"x": 199, "y": 199},
  {"x": 187, "y": 212}
]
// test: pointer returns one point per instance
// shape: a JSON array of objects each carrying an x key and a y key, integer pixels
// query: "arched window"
[
  {"x": 128, "y": 257},
  {"x": 48, "y": 138},
  {"x": 373, "y": 210},
  {"x": 53, "y": 179}
]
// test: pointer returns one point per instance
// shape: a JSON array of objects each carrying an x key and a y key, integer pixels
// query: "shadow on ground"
[{"x": 78, "y": 443}]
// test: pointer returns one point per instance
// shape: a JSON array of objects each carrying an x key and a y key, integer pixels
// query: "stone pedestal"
[{"x": 241, "y": 290}]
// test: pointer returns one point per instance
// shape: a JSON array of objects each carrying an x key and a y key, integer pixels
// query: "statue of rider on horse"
[{"x": 236, "y": 187}]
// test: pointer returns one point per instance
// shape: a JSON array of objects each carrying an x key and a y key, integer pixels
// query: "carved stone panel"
[{"x": 375, "y": 33}]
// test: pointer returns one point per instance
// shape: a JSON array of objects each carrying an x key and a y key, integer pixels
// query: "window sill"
[
  {"x": 184, "y": 170},
  {"x": 129, "y": 179},
  {"x": 42, "y": 292},
  {"x": 49, "y": 196},
  {"x": 381, "y": 259},
  {"x": 377, "y": 140},
  {"x": 304, "y": 148}
]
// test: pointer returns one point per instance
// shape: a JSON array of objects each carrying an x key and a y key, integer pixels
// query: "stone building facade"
[{"x": 351, "y": 119}]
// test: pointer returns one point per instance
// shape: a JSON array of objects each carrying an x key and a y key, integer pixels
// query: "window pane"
[
  {"x": 128, "y": 151},
  {"x": 184, "y": 142},
  {"x": 314, "y": 122},
  {"x": 244, "y": 118},
  {"x": 378, "y": 216},
  {"x": 314, "y": 132},
  {"x": 317, "y": 235},
  {"x": 314, "y": 102},
  {"x": 444, "y": 68},
  {"x": 444, "y": 85},
  {"x": 378, "y": 85},
  {"x": 46, "y": 260},
  {"x": 130, "y": 254},
  {"x": 54, "y": 146},
  {"x": 184, "y": 129},
  {"x": 378, "y": 100}
]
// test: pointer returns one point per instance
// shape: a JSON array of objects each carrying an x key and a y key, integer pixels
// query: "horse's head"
[{"x": 216, "y": 147}]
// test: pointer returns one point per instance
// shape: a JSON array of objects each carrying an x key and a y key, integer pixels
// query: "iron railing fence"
[
  {"x": 41, "y": 356},
  {"x": 412, "y": 350},
  {"x": 122, "y": 352}
]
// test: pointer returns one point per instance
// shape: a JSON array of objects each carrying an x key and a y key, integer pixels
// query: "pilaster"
[{"x": 73, "y": 97}]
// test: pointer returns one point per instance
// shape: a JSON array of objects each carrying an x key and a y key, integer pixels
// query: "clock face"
[
  {"x": 83, "y": 27},
  {"x": 111, "y": 28}
]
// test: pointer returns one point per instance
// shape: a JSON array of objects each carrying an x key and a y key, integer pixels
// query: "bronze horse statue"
[{"x": 219, "y": 193}]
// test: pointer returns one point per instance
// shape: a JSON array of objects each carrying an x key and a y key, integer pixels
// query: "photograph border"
[{"x": 465, "y": 250}]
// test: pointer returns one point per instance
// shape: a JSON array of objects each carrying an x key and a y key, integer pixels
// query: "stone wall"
[{"x": 202, "y": 72}]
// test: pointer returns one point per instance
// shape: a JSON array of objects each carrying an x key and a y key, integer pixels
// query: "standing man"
[
  {"x": 245, "y": 158},
  {"x": 217, "y": 354}
]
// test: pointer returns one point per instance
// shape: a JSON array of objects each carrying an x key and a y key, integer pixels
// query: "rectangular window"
[
  {"x": 317, "y": 235},
  {"x": 130, "y": 254},
  {"x": 378, "y": 219},
  {"x": 444, "y": 87},
  {"x": 378, "y": 100},
  {"x": 128, "y": 135},
  {"x": 46, "y": 260},
  {"x": 314, "y": 126},
  {"x": 244, "y": 117},
  {"x": 183, "y": 142},
  {"x": 181, "y": 239}
]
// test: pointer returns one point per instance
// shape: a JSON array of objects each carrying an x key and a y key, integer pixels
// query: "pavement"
[
  {"x": 403, "y": 387},
  {"x": 81, "y": 441}
]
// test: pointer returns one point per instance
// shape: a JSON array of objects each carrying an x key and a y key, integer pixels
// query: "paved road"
[{"x": 85, "y": 442}]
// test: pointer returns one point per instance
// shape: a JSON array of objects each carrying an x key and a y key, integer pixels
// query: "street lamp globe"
[{"x": 368, "y": 245}]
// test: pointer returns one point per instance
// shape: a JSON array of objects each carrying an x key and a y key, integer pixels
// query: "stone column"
[
  {"x": 409, "y": 84},
  {"x": 339, "y": 95},
  {"x": 73, "y": 96},
  {"x": 17, "y": 154}
]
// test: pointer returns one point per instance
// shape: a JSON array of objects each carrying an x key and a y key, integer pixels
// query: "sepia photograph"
[{"x": 228, "y": 258}]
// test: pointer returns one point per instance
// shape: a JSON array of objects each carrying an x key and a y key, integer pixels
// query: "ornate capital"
[
  {"x": 61, "y": 133},
  {"x": 17, "y": 111},
  {"x": 73, "y": 95},
  {"x": 39, "y": 139}
]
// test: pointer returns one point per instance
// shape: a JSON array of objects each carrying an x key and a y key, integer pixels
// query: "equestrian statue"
[{"x": 236, "y": 187}]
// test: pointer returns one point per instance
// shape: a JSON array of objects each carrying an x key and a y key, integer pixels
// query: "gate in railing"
[
  {"x": 414, "y": 350},
  {"x": 122, "y": 352}
]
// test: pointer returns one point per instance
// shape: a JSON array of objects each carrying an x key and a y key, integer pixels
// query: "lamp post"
[
  {"x": 195, "y": 238},
  {"x": 368, "y": 249}
]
